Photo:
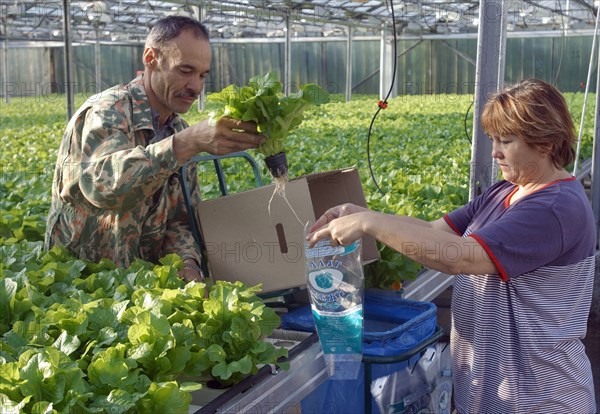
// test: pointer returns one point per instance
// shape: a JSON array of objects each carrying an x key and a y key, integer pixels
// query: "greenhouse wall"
[
  {"x": 118, "y": 64},
  {"x": 319, "y": 61},
  {"x": 425, "y": 67},
  {"x": 25, "y": 78}
]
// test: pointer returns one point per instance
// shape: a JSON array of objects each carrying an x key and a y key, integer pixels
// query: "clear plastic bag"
[
  {"x": 425, "y": 387},
  {"x": 335, "y": 281}
]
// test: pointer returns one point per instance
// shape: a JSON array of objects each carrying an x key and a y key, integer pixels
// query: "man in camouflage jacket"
[{"x": 116, "y": 191}]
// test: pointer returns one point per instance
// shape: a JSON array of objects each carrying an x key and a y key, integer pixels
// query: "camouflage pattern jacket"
[{"x": 115, "y": 194}]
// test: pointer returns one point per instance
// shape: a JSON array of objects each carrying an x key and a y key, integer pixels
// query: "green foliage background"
[{"x": 420, "y": 154}]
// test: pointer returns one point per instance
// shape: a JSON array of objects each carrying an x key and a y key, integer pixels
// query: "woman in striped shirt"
[{"x": 523, "y": 258}]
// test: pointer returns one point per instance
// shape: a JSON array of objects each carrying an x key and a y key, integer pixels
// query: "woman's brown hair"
[{"x": 537, "y": 113}]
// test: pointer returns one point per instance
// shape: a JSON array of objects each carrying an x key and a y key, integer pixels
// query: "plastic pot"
[{"x": 277, "y": 164}]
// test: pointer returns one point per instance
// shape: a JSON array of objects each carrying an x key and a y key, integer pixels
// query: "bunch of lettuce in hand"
[{"x": 263, "y": 102}]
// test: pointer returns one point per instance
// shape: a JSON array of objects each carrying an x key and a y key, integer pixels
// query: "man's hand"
[
  {"x": 227, "y": 136},
  {"x": 191, "y": 271}
]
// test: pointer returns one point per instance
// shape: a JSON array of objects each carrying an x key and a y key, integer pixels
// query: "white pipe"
[{"x": 587, "y": 89}]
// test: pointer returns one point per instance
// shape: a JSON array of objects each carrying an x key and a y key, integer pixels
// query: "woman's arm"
[{"x": 433, "y": 244}]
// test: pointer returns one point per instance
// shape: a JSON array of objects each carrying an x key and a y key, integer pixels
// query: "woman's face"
[{"x": 519, "y": 162}]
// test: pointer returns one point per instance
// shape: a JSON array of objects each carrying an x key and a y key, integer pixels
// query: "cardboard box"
[{"x": 246, "y": 243}]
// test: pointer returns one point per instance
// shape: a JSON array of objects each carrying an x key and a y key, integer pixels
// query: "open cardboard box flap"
[{"x": 246, "y": 243}]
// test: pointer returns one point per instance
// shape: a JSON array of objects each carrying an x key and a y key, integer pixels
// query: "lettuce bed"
[{"x": 83, "y": 337}]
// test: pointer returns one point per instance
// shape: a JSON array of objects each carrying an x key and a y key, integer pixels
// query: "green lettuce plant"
[
  {"x": 262, "y": 101},
  {"x": 89, "y": 337}
]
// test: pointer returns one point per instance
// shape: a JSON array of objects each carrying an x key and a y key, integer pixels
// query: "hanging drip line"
[
  {"x": 585, "y": 98},
  {"x": 383, "y": 103}
]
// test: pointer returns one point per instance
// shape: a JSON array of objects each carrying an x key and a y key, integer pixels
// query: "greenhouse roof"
[{"x": 128, "y": 21}]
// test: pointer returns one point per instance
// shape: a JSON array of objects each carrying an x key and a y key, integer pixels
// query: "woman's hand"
[
  {"x": 342, "y": 225},
  {"x": 335, "y": 212}
]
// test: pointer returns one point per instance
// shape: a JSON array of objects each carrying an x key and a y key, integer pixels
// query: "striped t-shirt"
[{"x": 516, "y": 336}]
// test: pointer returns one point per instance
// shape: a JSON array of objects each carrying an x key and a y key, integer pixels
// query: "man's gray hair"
[{"x": 170, "y": 27}]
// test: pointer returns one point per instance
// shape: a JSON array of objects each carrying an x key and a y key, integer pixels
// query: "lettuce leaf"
[{"x": 263, "y": 102}]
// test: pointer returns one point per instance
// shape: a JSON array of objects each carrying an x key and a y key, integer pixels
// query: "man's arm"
[
  {"x": 118, "y": 171},
  {"x": 226, "y": 136},
  {"x": 178, "y": 236}
]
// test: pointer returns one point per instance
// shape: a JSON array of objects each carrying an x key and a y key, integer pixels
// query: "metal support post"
[
  {"x": 6, "y": 76},
  {"x": 287, "y": 64},
  {"x": 200, "y": 13},
  {"x": 349, "y": 65},
  {"x": 595, "y": 184},
  {"x": 489, "y": 77},
  {"x": 68, "y": 70},
  {"x": 97, "y": 62}
]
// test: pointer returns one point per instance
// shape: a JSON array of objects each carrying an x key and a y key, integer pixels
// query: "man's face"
[{"x": 177, "y": 72}]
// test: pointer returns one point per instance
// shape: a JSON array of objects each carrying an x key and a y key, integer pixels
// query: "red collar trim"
[{"x": 509, "y": 196}]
